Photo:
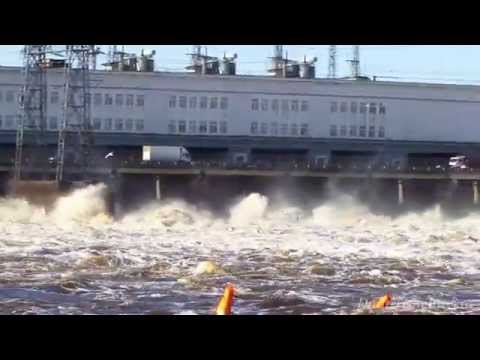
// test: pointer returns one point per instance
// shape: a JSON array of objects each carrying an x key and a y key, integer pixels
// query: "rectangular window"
[
  {"x": 223, "y": 127},
  {"x": 172, "y": 127},
  {"x": 371, "y": 131},
  {"x": 202, "y": 128},
  {"x": 333, "y": 130},
  {"x": 182, "y": 102},
  {"x": 182, "y": 126},
  {"x": 129, "y": 125},
  {"x": 172, "y": 102},
  {"x": 284, "y": 129},
  {"x": 108, "y": 124},
  {"x": 10, "y": 96},
  {"x": 32, "y": 121},
  {"x": 353, "y": 130},
  {"x": 304, "y": 106},
  {"x": 274, "y": 128},
  {"x": 108, "y": 99},
  {"x": 275, "y": 105},
  {"x": 304, "y": 130},
  {"x": 363, "y": 108},
  {"x": 382, "y": 109},
  {"x": 119, "y": 124},
  {"x": 129, "y": 100},
  {"x": 140, "y": 100},
  {"x": 264, "y": 104},
  {"x": 192, "y": 102},
  {"x": 1, "y": 96},
  {"x": 381, "y": 131},
  {"x": 213, "y": 127},
  {"x": 362, "y": 131},
  {"x": 119, "y": 99},
  {"x": 192, "y": 126},
  {"x": 294, "y": 129},
  {"x": 353, "y": 107},
  {"x": 223, "y": 103},
  {"x": 343, "y": 107},
  {"x": 294, "y": 105},
  {"x": 97, "y": 124},
  {"x": 1, "y": 122},
  {"x": 333, "y": 106},
  {"x": 213, "y": 103},
  {"x": 373, "y": 108},
  {"x": 254, "y": 128},
  {"x": 54, "y": 98},
  {"x": 343, "y": 130},
  {"x": 88, "y": 98},
  {"x": 9, "y": 121},
  {"x": 285, "y": 105},
  {"x": 139, "y": 126},
  {"x": 255, "y": 104},
  {"x": 203, "y": 102},
  {"x": 97, "y": 99},
  {"x": 263, "y": 128}
]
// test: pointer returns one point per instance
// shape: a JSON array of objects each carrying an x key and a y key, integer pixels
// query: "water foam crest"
[
  {"x": 81, "y": 205},
  {"x": 248, "y": 210}
]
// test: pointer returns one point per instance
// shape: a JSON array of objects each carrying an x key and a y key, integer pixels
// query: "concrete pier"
[
  {"x": 158, "y": 194},
  {"x": 400, "y": 192},
  {"x": 475, "y": 192}
]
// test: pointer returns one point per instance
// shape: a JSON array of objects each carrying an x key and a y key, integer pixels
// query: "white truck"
[{"x": 166, "y": 153}]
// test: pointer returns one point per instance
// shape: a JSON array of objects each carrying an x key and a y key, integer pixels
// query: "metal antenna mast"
[
  {"x": 75, "y": 129},
  {"x": 355, "y": 62},
  {"x": 332, "y": 61},
  {"x": 32, "y": 101}
]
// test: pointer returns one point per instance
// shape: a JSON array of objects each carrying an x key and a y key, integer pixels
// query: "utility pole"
[
  {"x": 32, "y": 102},
  {"x": 355, "y": 62},
  {"x": 332, "y": 61},
  {"x": 75, "y": 136}
]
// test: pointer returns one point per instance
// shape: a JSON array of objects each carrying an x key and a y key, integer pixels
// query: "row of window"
[
  {"x": 204, "y": 127},
  {"x": 351, "y": 131},
  {"x": 8, "y": 97},
  {"x": 99, "y": 99},
  {"x": 276, "y": 104},
  {"x": 278, "y": 129},
  {"x": 118, "y": 124},
  {"x": 363, "y": 107},
  {"x": 8, "y": 122},
  {"x": 203, "y": 102}
]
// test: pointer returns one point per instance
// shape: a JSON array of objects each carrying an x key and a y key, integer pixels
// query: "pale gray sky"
[{"x": 439, "y": 63}]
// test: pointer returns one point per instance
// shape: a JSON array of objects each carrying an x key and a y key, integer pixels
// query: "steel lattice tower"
[
  {"x": 75, "y": 136},
  {"x": 355, "y": 62},
  {"x": 32, "y": 102},
  {"x": 332, "y": 61}
]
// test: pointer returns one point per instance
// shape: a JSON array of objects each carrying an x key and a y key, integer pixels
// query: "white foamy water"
[{"x": 172, "y": 257}]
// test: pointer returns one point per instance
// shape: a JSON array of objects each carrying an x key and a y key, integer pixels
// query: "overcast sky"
[{"x": 447, "y": 63}]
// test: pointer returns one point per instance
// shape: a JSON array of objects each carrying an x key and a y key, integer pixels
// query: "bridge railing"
[
  {"x": 296, "y": 166},
  {"x": 303, "y": 166}
]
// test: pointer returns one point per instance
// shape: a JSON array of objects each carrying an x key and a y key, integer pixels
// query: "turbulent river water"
[{"x": 173, "y": 258}]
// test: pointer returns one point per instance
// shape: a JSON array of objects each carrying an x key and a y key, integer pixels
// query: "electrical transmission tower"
[
  {"x": 32, "y": 104},
  {"x": 75, "y": 136},
  {"x": 332, "y": 61},
  {"x": 355, "y": 62}
]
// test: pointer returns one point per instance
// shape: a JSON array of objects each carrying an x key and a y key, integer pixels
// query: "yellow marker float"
[
  {"x": 224, "y": 306},
  {"x": 382, "y": 302}
]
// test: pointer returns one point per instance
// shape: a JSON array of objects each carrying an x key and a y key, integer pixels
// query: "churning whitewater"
[{"x": 174, "y": 258}]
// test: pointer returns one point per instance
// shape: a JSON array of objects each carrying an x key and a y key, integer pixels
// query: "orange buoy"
[
  {"x": 382, "y": 301},
  {"x": 224, "y": 306}
]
